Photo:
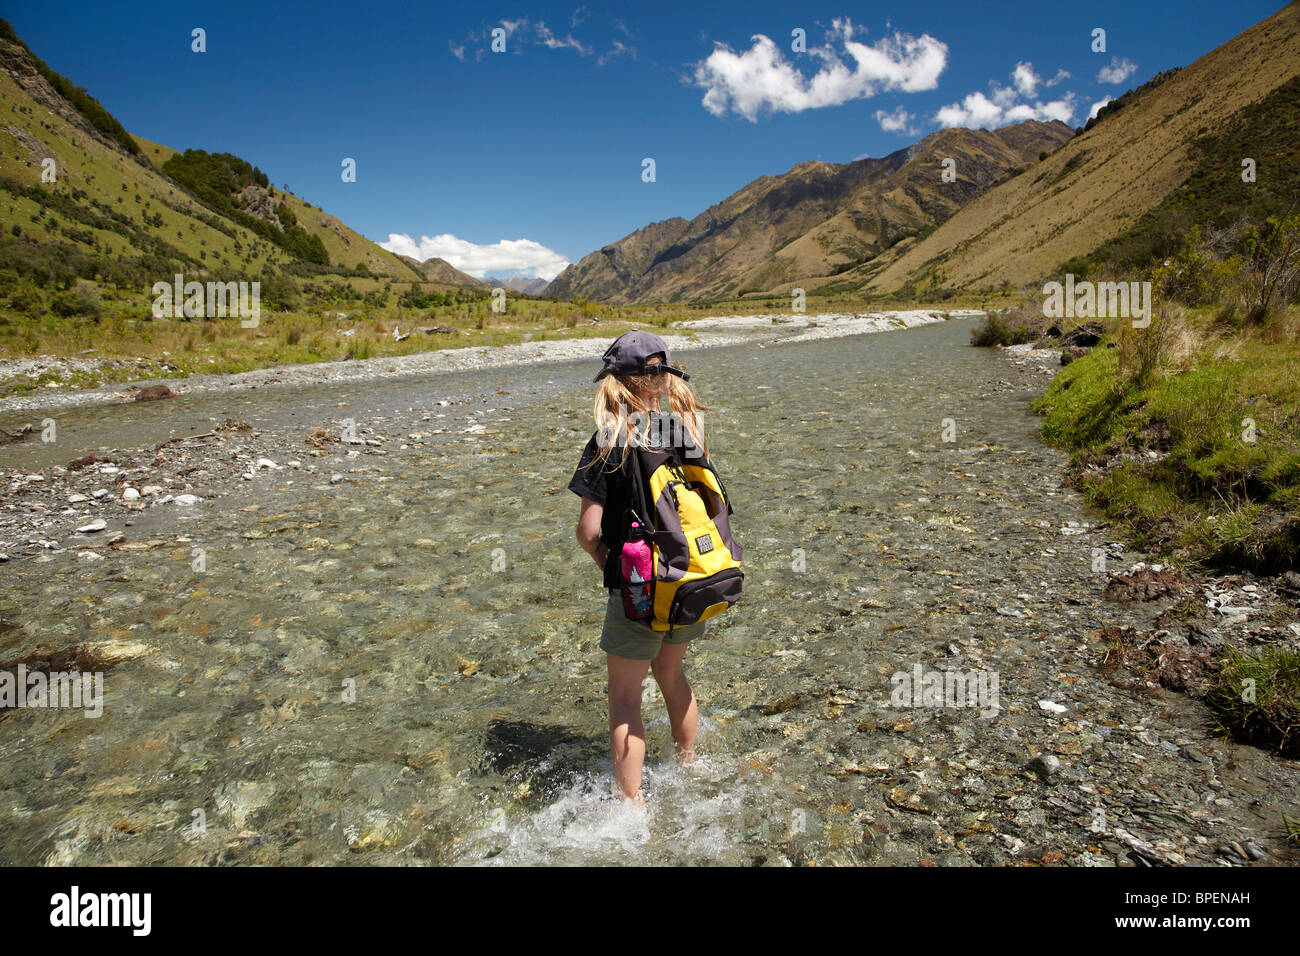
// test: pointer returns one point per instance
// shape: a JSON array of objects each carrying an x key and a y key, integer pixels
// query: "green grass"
[
  {"x": 1256, "y": 699},
  {"x": 1208, "y": 496}
]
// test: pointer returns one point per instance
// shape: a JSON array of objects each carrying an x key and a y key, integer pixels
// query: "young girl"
[{"x": 638, "y": 374}]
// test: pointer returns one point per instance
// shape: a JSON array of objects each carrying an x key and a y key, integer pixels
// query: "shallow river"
[{"x": 402, "y": 667}]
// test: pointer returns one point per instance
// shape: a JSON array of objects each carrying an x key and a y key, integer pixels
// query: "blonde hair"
[{"x": 620, "y": 397}]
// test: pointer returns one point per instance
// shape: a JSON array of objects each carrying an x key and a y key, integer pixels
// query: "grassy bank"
[{"x": 1187, "y": 436}]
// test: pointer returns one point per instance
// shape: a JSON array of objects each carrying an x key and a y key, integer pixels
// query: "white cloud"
[
  {"x": 1026, "y": 79},
  {"x": 1060, "y": 75},
  {"x": 1118, "y": 71},
  {"x": 531, "y": 259},
  {"x": 1005, "y": 105},
  {"x": 899, "y": 121},
  {"x": 529, "y": 33},
  {"x": 761, "y": 78},
  {"x": 1096, "y": 107},
  {"x": 457, "y": 51},
  {"x": 551, "y": 41},
  {"x": 618, "y": 49}
]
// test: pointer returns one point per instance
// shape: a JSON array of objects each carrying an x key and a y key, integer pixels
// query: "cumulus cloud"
[
  {"x": 762, "y": 78},
  {"x": 530, "y": 259},
  {"x": 1096, "y": 107},
  {"x": 899, "y": 121},
  {"x": 1025, "y": 79},
  {"x": 1004, "y": 105},
  {"x": 1119, "y": 70}
]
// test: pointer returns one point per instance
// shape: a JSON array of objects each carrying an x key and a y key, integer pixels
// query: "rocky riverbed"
[{"x": 376, "y": 642}]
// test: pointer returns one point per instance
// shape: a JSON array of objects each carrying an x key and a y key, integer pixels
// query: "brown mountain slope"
[
  {"x": 818, "y": 217},
  {"x": 1098, "y": 184},
  {"x": 440, "y": 270}
]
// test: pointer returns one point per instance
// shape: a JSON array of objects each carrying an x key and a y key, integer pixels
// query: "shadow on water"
[{"x": 546, "y": 758}]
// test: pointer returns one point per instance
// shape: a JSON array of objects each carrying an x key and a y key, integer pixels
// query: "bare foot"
[
  {"x": 636, "y": 800},
  {"x": 685, "y": 756}
]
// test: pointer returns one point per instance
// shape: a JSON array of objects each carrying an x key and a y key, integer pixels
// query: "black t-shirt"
[{"x": 610, "y": 484}]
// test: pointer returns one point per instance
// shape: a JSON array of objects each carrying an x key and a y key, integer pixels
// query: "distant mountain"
[
  {"x": 816, "y": 220},
  {"x": 520, "y": 284},
  {"x": 1155, "y": 162},
  {"x": 440, "y": 270}
]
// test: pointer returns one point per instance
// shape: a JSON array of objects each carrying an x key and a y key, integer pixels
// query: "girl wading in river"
[{"x": 638, "y": 635}]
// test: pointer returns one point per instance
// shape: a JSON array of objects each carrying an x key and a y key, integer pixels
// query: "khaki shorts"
[{"x": 638, "y": 641}]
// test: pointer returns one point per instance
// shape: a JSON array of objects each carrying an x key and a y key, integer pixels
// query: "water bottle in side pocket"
[{"x": 636, "y": 575}]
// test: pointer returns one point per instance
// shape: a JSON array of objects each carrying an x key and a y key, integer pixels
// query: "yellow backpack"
[{"x": 696, "y": 560}]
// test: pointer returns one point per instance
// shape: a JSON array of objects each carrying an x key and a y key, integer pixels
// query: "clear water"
[{"x": 478, "y": 733}]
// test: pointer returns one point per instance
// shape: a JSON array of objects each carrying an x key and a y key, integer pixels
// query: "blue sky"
[{"x": 515, "y": 162}]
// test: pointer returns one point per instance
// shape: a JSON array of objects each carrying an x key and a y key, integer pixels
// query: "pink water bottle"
[{"x": 637, "y": 575}]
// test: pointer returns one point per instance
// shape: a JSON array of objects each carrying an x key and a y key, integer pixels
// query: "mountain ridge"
[{"x": 810, "y": 221}]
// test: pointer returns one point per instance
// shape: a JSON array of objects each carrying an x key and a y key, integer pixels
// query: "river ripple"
[{"x": 403, "y": 667}]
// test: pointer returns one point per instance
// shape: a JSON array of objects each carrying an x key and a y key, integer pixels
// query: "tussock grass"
[{"x": 1256, "y": 699}]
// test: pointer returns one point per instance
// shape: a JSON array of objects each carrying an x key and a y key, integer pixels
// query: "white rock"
[
  {"x": 267, "y": 463},
  {"x": 99, "y": 524},
  {"x": 90, "y": 556},
  {"x": 336, "y": 479},
  {"x": 186, "y": 499},
  {"x": 1052, "y": 707},
  {"x": 100, "y": 493},
  {"x": 77, "y": 499},
  {"x": 151, "y": 490},
  {"x": 130, "y": 494}
]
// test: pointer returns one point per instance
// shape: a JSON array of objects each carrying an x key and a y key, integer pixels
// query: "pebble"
[
  {"x": 1045, "y": 766},
  {"x": 130, "y": 494},
  {"x": 99, "y": 524},
  {"x": 1052, "y": 707},
  {"x": 186, "y": 499}
]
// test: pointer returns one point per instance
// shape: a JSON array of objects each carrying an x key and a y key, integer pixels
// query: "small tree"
[{"x": 1272, "y": 266}]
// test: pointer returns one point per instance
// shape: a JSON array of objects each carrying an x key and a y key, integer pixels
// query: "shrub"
[
  {"x": 1016, "y": 327},
  {"x": 80, "y": 300}
]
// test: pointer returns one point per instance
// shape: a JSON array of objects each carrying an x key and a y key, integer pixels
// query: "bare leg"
[
  {"x": 626, "y": 732},
  {"x": 683, "y": 713}
]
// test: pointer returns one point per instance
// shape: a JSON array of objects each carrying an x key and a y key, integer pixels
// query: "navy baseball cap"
[{"x": 628, "y": 355}]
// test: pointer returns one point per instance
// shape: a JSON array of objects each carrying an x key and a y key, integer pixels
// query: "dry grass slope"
[{"x": 1099, "y": 183}]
